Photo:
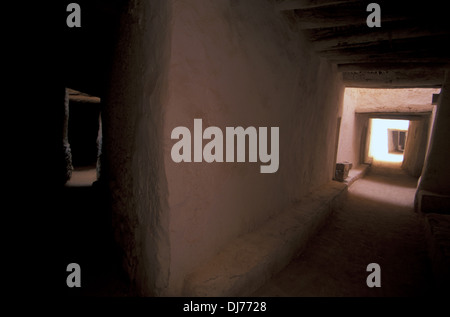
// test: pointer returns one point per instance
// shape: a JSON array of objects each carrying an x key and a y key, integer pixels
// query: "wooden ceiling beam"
[
  {"x": 392, "y": 66},
  {"x": 355, "y": 13},
  {"x": 410, "y": 57},
  {"x": 368, "y": 36},
  {"x": 307, "y": 4},
  {"x": 435, "y": 43},
  {"x": 394, "y": 79}
]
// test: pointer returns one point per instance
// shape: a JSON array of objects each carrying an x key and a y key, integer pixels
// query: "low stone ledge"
[
  {"x": 356, "y": 173},
  {"x": 250, "y": 260}
]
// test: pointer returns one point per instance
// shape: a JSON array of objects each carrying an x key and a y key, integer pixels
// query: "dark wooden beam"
[
  {"x": 413, "y": 52},
  {"x": 335, "y": 14},
  {"x": 307, "y": 4},
  {"x": 431, "y": 66},
  {"x": 394, "y": 79},
  {"x": 396, "y": 115},
  {"x": 333, "y": 38},
  {"x": 389, "y": 59},
  {"x": 354, "y": 13},
  {"x": 425, "y": 43},
  {"x": 406, "y": 25}
]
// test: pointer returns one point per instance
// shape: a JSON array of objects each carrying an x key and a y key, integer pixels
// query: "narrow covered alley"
[{"x": 241, "y": 148}]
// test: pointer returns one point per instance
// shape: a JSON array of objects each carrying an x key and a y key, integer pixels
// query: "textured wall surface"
[
  {"x": 352, "y": 132},
  {"x": 230, "y": 64},
  {"x": 132, "y": 146},
  {"x": 240, "y": 64},
  {"x": 416, "y": 146},
  {"x": 436, "y": 172},
  {"x": 395, "y": 100}
]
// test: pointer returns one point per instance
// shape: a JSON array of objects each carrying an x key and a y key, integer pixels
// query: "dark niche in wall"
[{"x": 83, "y": 128}]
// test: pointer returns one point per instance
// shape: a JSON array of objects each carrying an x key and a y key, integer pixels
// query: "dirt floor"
[{"x": 376, "y": 224}]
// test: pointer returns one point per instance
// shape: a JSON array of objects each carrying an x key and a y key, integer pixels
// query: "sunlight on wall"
[{"x": 379, "y": 139}]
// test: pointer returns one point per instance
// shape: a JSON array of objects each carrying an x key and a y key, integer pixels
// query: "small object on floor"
[{"x": 342, "y": 170}]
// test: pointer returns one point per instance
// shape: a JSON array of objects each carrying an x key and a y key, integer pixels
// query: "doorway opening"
[
  {"x": 388, "y": 139},
  {"x": 84, "y": 135}
]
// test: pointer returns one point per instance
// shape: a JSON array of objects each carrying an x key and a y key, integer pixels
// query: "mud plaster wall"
[
  {"x": 416, "y": 146},
  {"x": 132, "y": 147},
  {"x": 352, "y": 131},
  {"x": 395, "y": 100},
  {"x": 238, "y": 63},
  {"x": 436, "y": 171}
]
